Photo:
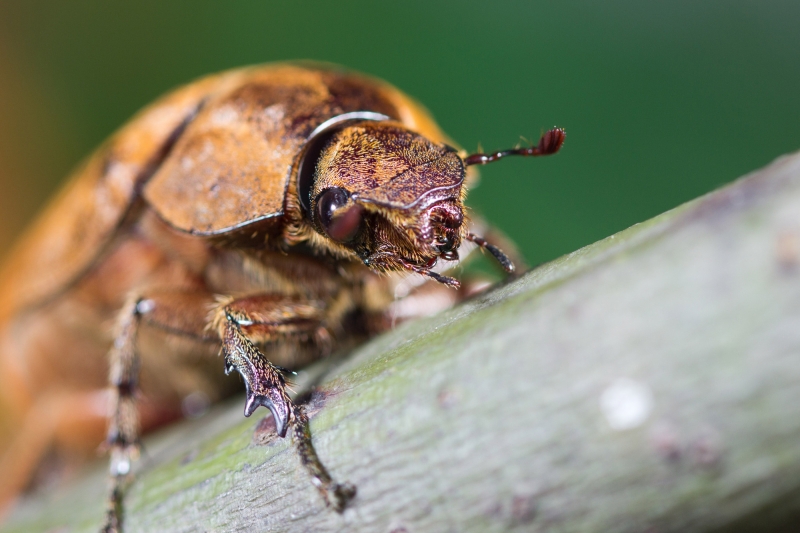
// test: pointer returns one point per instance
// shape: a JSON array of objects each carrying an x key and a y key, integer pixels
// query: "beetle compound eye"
[
  {"x": 329, "y": 201},
  {"x": 340, "y": 224},
  {"x": 345, "y": 226}
]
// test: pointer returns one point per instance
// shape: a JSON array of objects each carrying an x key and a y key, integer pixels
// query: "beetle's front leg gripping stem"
[{"x": 266, "y": 386}]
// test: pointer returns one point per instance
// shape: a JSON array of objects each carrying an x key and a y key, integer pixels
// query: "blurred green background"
[{"x": 662, "y": 100}]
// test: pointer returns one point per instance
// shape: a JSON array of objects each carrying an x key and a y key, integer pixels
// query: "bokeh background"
[{"x": 662, "y": 100}]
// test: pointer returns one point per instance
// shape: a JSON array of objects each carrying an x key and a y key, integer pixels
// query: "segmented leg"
[
  {"x": 263, "y": 319},
  {"x": 123, "y": 429},
  {"x": 291, "y": 323},
  {"x": 337, "y": 495}
]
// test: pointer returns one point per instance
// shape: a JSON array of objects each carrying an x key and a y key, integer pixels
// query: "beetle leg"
[
  {"x": 263, "y": 319},
  {"x": 498, "y": 254},
  {"x": 492, "y": 241},
  {"x": 123, "y": 428},
  {"x": 239, "y": 324},
  {"x": 337, "y": 495}
]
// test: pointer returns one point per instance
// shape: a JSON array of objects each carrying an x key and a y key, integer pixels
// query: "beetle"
[{"x": 266, "y": 213}]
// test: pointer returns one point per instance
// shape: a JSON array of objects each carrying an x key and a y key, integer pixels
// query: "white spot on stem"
[{"x": 626, "y": 404}]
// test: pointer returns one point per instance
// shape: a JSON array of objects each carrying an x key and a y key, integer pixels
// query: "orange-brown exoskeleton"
[{"x": 266, "y": 213}]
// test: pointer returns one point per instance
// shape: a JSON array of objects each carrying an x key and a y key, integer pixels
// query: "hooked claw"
[
  {"x": 264, "y": 382},
  {"x": 274, "y": 400}
]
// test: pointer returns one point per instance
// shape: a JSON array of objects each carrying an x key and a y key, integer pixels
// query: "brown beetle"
[{"x": 250, "y": 212}]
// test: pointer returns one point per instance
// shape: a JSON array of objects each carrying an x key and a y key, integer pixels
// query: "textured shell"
[{"x": 212, "y": 158}]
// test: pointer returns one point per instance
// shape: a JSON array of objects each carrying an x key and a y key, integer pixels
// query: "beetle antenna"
[
  {"x": 549, "y": 144},
  {"x": 498, "y": 254}
]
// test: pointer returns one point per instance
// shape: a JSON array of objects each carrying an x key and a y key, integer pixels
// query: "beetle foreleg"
[{"x": 265, "y": 319}]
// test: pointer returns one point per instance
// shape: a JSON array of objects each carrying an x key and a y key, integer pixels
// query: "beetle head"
[
  {"x": 376, "y": 189},
  {"x": 389, "y": 195}
]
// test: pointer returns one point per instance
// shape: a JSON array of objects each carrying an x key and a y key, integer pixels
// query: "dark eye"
[{"x": 341, "y": 225}]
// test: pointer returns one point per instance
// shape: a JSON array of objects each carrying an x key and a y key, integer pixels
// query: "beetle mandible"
[{"x": 267, "y": 214}]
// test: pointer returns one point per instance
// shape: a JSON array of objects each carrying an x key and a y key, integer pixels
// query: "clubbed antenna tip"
[{"x": 549, "y": 143}]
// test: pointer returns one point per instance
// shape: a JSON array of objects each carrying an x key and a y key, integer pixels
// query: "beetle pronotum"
[{"x": 266, "y": 213}]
